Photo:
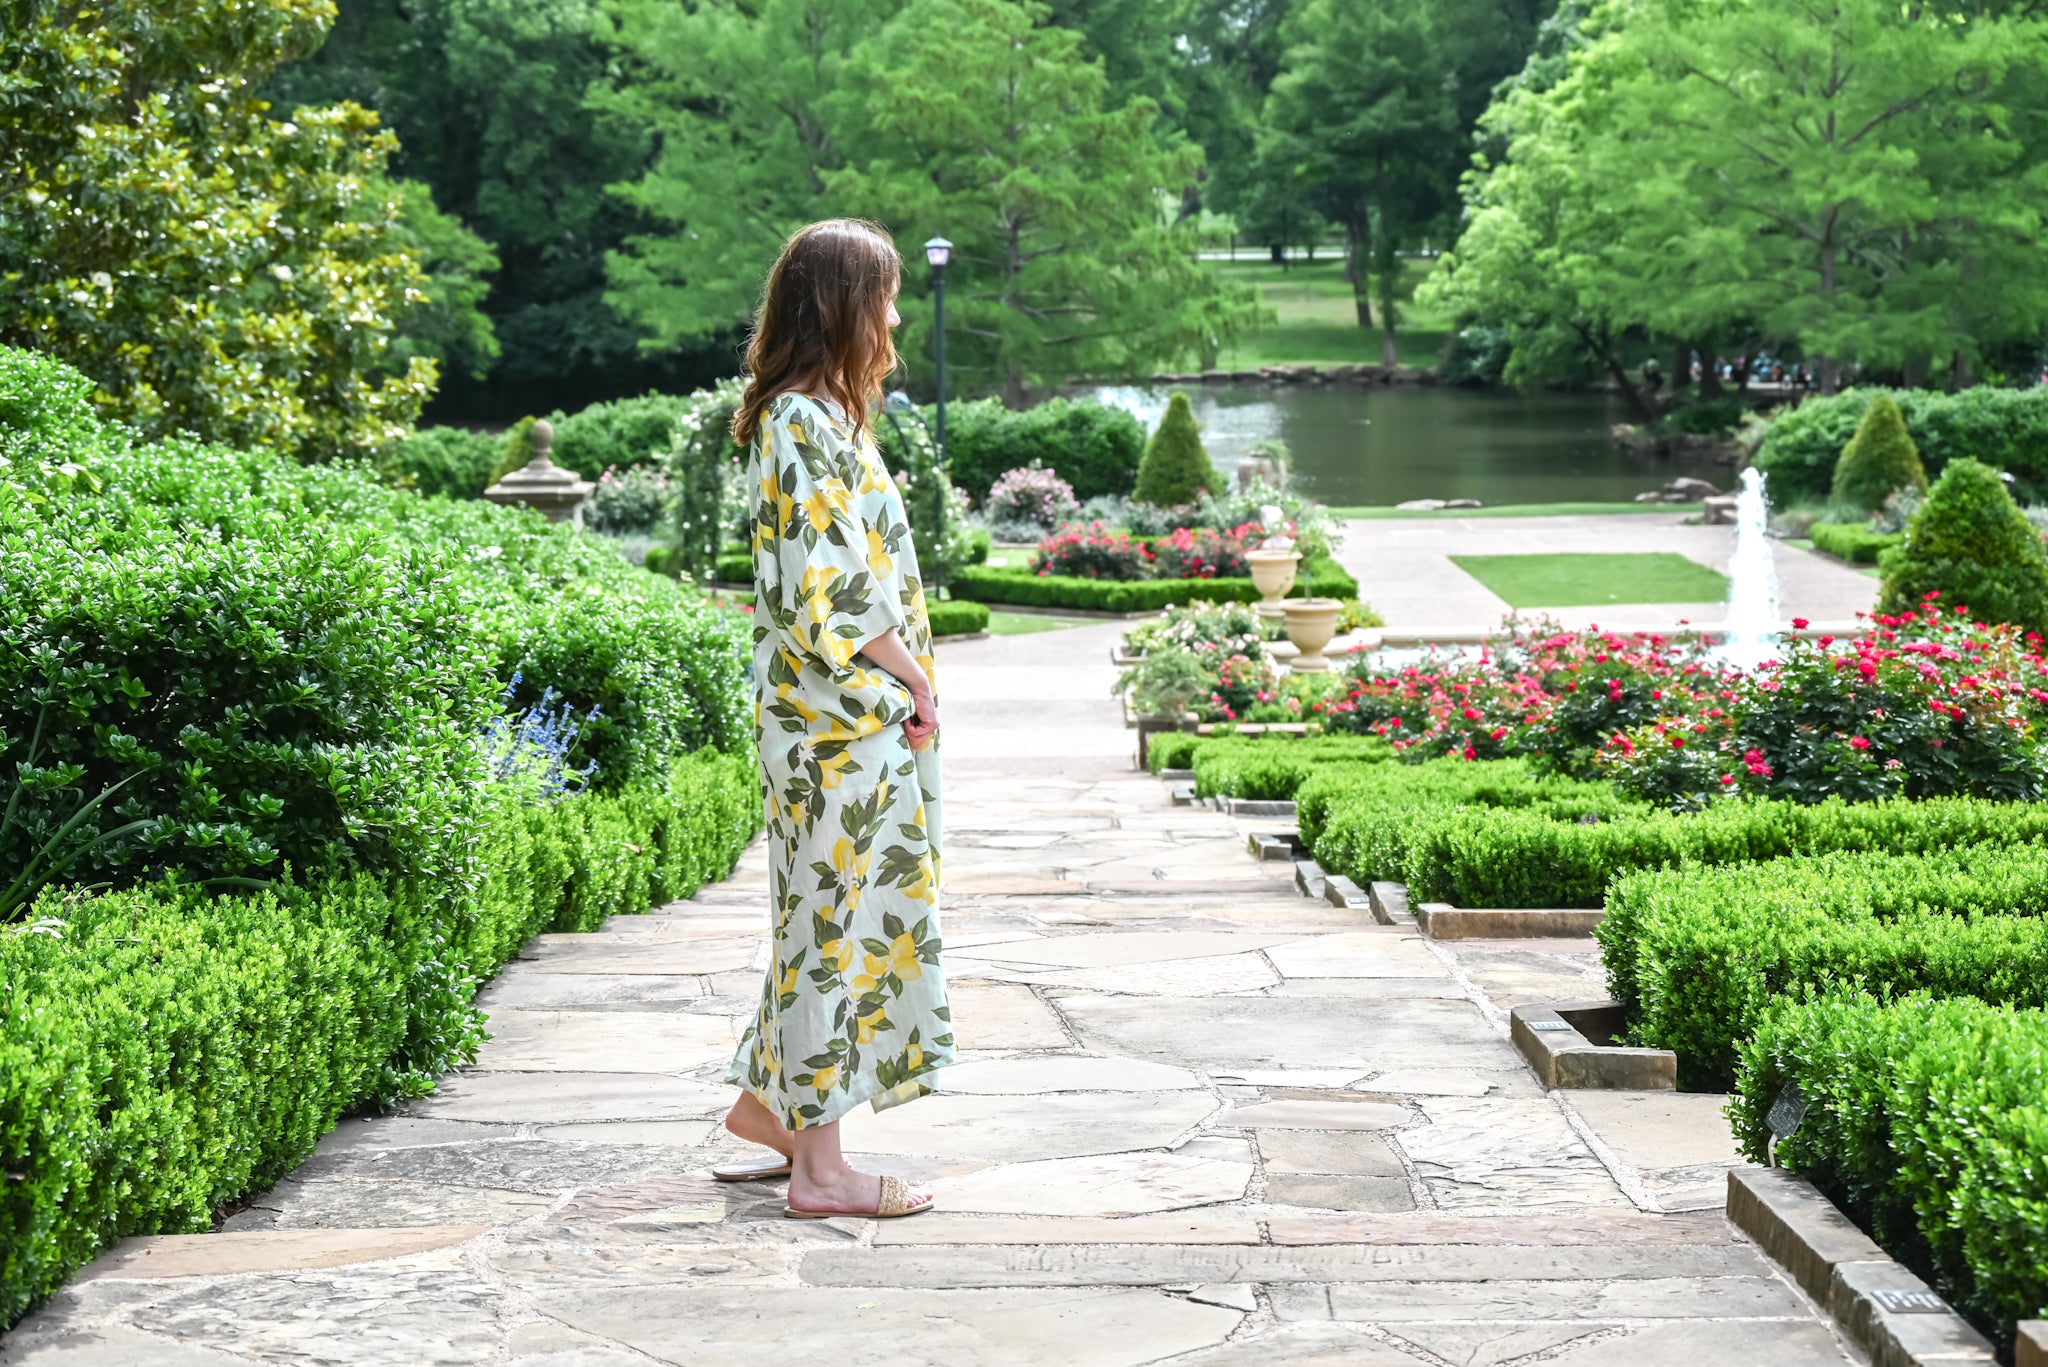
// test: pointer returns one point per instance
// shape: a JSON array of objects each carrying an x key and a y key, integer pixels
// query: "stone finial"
[{"x": 542, "y": 484}]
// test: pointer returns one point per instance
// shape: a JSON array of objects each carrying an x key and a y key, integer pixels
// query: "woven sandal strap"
[{"x": 895, "y": 1197}]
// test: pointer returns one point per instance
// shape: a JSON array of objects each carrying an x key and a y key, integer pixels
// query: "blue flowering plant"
[{"x": 529, "y": 750}]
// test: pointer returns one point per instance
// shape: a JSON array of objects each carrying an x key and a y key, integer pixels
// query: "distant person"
[{"x": 854, "y": 1008}]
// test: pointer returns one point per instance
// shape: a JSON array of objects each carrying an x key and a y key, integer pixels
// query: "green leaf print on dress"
[{"x": 854, "y": 1007}]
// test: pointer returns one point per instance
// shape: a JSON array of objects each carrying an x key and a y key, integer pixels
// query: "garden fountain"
[{"x": 1749, "y": 633}]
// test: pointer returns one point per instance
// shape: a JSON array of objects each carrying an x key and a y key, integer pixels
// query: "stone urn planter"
[
  {"x": 1272, "y": 575},
  {"x": 1311, "y": 622},
  {"x": 543, "y": 484}
]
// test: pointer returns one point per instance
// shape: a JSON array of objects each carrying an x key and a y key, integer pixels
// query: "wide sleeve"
[{"x": 828, "y": 600}]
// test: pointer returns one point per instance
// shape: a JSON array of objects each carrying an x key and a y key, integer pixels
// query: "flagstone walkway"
[{"x": 1200, "y": 1119}]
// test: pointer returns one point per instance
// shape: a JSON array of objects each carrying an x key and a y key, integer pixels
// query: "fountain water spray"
[{"x": 1749, "y": 635}]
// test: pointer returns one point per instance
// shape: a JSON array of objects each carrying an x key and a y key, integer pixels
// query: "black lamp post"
[{"x": 938, "y": 251}]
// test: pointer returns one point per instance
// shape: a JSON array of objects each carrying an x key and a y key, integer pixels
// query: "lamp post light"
[{"x": 937, "y": 253}]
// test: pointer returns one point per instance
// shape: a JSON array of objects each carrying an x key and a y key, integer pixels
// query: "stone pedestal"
[{"x": 542, "y": 484}]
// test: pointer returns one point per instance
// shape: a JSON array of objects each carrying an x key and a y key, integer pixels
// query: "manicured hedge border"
[
  {"x": 986, "y": 585},
  {"x": 1854, "y": 542},
  {"x": 955, "y": 617},
  {"x": 162, "y": 1053},
  {"x": 1272, "y": 769},
  {"x": 1927, "y": 1122},
  {"x": 1478, "y": 857},
  {"x": 1698, "y": 956},
  {"x": 1363, "y": 824}
]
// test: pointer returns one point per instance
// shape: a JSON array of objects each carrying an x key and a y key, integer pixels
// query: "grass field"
[
  {"x": 1318, "y": 321},
  {"x": 1373, "y": 513},
  {"x": 1028, "y": 623},
  {"x": 1586, "y": 580}
]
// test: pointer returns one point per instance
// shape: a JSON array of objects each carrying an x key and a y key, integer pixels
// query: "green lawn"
[
  {"x": 1026, "y": 623},
  {"x": 1590, "y": 580},
  {"x": 1317, "y": 319},
  {"x": 1381, "y": 511}
]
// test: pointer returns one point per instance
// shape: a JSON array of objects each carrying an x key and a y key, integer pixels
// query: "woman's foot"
[
  {"x": 750, "y": 1120},
  {"x": 847, "y": 1192}
]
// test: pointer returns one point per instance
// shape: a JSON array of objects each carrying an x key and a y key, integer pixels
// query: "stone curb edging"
[
  {"x": 1273, "y": 847},
  {"x": 1554, "y": 1041},
  {"x": 960, "y": 636},
  {"x": 1442, "y": 921},
  {"x": 1340, "y": 891},
  {"x": 1879, "y": 1305},
  {"x": 1390, "y": 904},
  {"x": 2032, "y": 1348}
]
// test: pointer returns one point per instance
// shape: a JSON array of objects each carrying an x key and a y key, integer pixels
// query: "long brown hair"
[{"x": 824, "y": 318}]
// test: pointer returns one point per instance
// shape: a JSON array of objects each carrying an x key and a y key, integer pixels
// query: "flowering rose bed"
[
  {"x": 1092, "y": 551},
  {"x": 1929, "y": 703}
]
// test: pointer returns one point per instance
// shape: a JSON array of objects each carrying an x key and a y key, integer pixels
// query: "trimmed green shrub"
[
  {"x": 1323, "y": 579},
  {"x": 1970, "y": 543},
  {"x": 621, "y": 433},
  {"x": 1273, "y": 768},
  {"x": 1176, "y": 466},
  {"x": 1171, "y": 750},
  {"x": 1532, "y": 858},
  {"x": 2007, "y": 429},
  {"x": 955, "y": 617},
  {"x": 1093, "y": 447},
  {"x": 242, "y": 703},
  {"x": 1879, "y": 460},
  {"x": 1699, "y": 955},
  {"x": 1927, "y": 1123},
  {"x": 163, "y": 1052},
  {"x": 735, "y": 567},
  {"x": 1362, "y": 825},
  {"x": 454, "y": 461},
  {"x": 1856, "y": 542}
]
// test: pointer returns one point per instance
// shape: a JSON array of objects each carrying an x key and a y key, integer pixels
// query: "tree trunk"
[
  {"x": 1013, "y": 386},
  {"x": 1681, "y": 365},
  {"x": 1357, "y": 242},
  {"x": 1389, "y": 267},
  {"x": 1279, "y": 250},
  {"x": 1596, "y": 342},
  {"x": 1710, "y": 378}
]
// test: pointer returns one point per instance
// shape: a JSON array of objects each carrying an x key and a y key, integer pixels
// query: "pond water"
[{"x": 1382, "y": 444}]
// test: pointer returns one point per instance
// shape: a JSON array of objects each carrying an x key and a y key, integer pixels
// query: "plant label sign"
[
  {"x": 1786, "y": 1112},
  {"x": 1550, "y": 1025},
  {"x": 1909, "y": 1302}
]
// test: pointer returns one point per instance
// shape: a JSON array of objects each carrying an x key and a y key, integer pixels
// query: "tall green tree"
[
  {"x": 1071, "y": 256},
  {"x": 212, "y": 268},
  {"x": 1853, "y": 179},
  {"x": 489, "y": 101},
  {"x": 969, "y": 119},
  {"x": 1362, "y": 116},
  {"x": 748, "y": 105}
]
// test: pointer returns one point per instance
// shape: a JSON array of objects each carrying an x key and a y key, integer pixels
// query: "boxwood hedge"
[
  {"x": 1325, "y": 579},
  {"x": 1698, "y": 956},
  {"x": 249, "y": 697},
  {"x": 1856, "y": 542},
  {"x": 1530, "y": 857},
  {"x": 1927, "y": 1122},
  {"x": 1273, "y": 768}
]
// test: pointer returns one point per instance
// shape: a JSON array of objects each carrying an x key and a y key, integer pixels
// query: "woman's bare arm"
[{"x": 887, "y": 651}]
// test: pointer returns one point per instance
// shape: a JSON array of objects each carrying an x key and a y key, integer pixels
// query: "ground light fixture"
[{"x": 937, "y": 253}]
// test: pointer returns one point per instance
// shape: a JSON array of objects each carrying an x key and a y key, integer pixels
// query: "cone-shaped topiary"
[
  {"x": 1880, "y": 459},
  {"x": 1970, "y": 542},
  {"x": 1175, "y": 465}
]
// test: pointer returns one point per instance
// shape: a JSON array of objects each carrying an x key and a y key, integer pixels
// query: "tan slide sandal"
[
  {"x": 762, "y": 1170},
  {"x": 895, "y": 1204}
]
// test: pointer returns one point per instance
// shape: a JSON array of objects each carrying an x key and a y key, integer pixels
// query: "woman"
[{"x": 854, "y": 1008}]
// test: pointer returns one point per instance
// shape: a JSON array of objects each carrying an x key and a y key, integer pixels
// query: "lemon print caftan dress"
[{"x": 854, "y": 1008}]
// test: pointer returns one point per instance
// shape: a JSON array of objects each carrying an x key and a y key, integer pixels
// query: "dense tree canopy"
[
  {"x": 1848, "y": 180},
  {"x": 970, "y": 119},
  {"x": 211, "y": 267}
]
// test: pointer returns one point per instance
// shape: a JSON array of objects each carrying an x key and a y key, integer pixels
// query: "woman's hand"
[
  {"x": 889, "y": 653},
  {"x": 924, "y": 724}
]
